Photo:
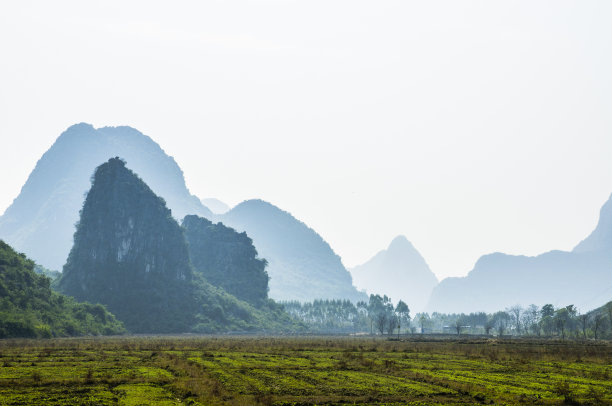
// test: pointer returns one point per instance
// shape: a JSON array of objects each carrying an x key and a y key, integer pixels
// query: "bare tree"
[
  {"x": 516, "y": 311},
  {"x": 392, "y": 323},
  {"x": 531, "y": 319},
  {"x": 489, "y": 324},
  {"x": 459, "y": 325},
  {"x": 381, "y": 322}
]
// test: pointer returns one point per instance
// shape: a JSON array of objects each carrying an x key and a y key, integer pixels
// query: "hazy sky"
[{"x": 468, "y": 126}]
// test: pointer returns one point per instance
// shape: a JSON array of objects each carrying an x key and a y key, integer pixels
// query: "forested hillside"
[
  {"x": 28, "y": 307},
  {"x": 226, "y": 259}
]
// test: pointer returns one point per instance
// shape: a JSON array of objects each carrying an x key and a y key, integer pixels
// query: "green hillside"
[{"x": 28, "y": 307}]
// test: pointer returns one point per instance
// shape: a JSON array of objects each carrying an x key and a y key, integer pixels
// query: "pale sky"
[{"x": 468, "y": 126}]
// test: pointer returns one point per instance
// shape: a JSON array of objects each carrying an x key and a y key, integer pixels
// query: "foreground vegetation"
[
  {"x": 29, "y": 308},
  {"x": 316, "y": 370}
]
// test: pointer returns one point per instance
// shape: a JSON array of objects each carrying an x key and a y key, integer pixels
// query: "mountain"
[
  {"x": 29, "y": 308},
  {"x": 130, "y": 254},
  {"x": 399, "y": 272},
  {"x": 581, "y": 277},
  {"x": 215, "y": 205},
  {"x": 226, "y": 259},
  {"x": 40, "y": 221},
  {"x": 600, "y": 240},
  {"x": 301, "y": 265}
]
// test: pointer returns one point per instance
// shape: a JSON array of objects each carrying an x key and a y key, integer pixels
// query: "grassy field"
[{"x": 303, "y": 371}]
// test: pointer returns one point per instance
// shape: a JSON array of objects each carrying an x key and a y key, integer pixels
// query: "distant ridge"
[
  {"x": 40, "y": 221},
  {"x": 582, "y": 277},
  {"x": 400, "y": 272},
  {"x": 302, "y": 266}
]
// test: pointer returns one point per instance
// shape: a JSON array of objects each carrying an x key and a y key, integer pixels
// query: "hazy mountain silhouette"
[
  {"x": 40, "y": 221},
  {"x": 601, "y": 238},
  {"x": 400, "y": 272},
  {"x": 582, "y": 277},
  {"x": 215, "y": 205},
  {"x": 301, "y": 265}
]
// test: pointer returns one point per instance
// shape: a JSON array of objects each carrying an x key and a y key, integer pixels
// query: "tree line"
[{"x": 380, "y": 316}]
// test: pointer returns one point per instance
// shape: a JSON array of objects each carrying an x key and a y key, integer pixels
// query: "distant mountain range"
[
  {"x": 400, "y": 272},
  {"x": 40, "y": 221},
  {"x": 582, "y": 277},
  {"x": 301, "y": 265}
]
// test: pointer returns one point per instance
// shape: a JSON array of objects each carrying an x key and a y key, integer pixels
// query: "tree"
[
  {"x": 563, "y": 318},
  {"x": 516, "y": 311},
  {"x": 489, "y": 324},
  {"x": 381, "y": 322},
  {"x": 403, "y": 314},
  {"x": 598, "y": 322},
  {"x": 423, "y": 321},
  {"x": 380, "y": 310},
  {"x": 546, "y": 321},
  {"x": 531, "y": 319},
  {"x": 501, "y": 322},
  {"x": 392, "y": 323},
  {"x": 459, "y": 324},
  {"x": 584, "y": 321}
]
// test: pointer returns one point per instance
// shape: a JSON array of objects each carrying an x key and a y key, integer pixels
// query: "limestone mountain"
[
  {"x": 130, "y": 254},
  {"x": 40, "y": 221},
  {"x": 302, "y": 266},
  {"x": 400, "y": 272},
  {"x": 600, "y": 240},
  {"x": 29, "y": 308},
  {"x": 226, "y": 259},
  {"x": 582, "y": 277}
]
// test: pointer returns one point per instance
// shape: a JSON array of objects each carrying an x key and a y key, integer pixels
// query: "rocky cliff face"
[
  {"x": 301, "y": 265},
  {"x": 130, "y": 254},
  {"x": 226, "y": 259},
  {"x": 399, "y": 272},
  {"x": 40, "y": 221}
]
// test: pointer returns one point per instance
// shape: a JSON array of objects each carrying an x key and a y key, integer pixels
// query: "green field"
[{"x": 303, "y": 371}]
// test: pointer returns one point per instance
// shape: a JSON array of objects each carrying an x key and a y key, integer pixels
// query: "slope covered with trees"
[
  {"x": 131, "y": 255},
  {"x": 226, "y": 259},
  {"x": 29, "y": 308}
]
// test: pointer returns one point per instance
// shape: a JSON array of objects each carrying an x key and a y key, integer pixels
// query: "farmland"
[{"x": 303, "y": 370}]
